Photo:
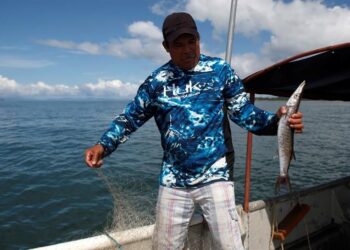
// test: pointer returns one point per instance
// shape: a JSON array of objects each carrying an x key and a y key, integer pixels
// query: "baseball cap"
[{"x": 178, "y": 23}]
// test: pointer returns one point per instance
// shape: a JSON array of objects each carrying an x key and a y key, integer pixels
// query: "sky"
[{"x": 107, "y": 48}]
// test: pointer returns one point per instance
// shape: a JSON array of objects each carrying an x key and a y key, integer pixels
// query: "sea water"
[{"x": 48, "y": 195}]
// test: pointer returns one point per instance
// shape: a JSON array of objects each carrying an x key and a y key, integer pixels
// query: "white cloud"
[
  {"x": 247, "y": 63},
  {"x": 46, "y": 90},
  {"x": 103, "y": 88},
  {"x": 145, "y": 30},
  {"x": 286, "y": 28},
  {"x": 109, "y": 88},
  {"x": 22, "y": 63},
  {"x": 164, "y": 7},
  {"x": 7, "y": 85},
  {"x": 58, "y": 44},
  {"x": 85, "y": 47},
  {"x": 202, "y": 10},
  {"x": 89, "y": 48},
  {"x": 292, "y": 27},
  {"x": 145, "y": 42}
]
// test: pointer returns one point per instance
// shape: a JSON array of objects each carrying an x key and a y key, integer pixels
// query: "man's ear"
[{"x": 166, "y": 46}]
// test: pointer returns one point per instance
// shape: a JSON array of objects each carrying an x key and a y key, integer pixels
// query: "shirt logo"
[{"x": 174, "y": 91}]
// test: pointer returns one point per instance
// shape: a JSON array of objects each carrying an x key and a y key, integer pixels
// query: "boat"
[
  {"x": 313, "y": 218},
  {"x": 319, "y": 218}
]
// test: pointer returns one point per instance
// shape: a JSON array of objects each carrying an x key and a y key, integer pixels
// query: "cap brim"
[{"x": 177, "y": 33}]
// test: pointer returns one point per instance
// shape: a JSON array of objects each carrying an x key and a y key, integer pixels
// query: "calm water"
[{"x": 48, "y": 195}]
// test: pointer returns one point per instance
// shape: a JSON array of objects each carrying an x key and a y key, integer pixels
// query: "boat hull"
[{"x": 325, "y": 222}]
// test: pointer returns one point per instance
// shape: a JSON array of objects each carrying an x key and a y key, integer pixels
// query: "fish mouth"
[{"x": 297, "y": 95}]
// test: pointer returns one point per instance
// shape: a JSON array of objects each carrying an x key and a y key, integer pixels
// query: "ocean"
[{"x": 48, "y": 195}]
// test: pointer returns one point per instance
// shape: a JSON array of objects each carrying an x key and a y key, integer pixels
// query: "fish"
[{"x": 285, "y": 137}]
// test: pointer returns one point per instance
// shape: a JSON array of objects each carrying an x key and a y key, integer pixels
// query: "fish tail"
[{"x": 282, "y": 181}]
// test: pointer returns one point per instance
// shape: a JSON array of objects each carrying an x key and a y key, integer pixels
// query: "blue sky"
[{"x": 106, "y": 48}]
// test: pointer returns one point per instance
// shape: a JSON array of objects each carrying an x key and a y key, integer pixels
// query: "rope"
[
  {"x": 282, "y": 245},
  {"x": 307, "y": 235},
  {"x": 274, "y": 226},
  {"x": 118, "y": 246},
  {"x": 273, "y": 223},
  {"x": 298, "y": 198}
]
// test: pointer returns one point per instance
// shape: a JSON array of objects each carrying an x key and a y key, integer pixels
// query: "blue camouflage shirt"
[{"x": 190, "y": 109}]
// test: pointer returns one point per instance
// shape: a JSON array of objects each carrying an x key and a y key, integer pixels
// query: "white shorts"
[{"x": 176, "y": 206}]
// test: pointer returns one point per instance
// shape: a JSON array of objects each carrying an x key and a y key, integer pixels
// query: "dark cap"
[{"x": 177, "y": 24}]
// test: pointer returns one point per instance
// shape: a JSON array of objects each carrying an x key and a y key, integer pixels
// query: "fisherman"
[{"x": 191, "y": 98}]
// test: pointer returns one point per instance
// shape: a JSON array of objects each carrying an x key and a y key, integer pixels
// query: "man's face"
[{"x": 184, "y": 51}]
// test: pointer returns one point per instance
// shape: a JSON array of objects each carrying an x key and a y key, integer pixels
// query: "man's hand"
[
  {"x": 295, "y": 121},
  {"x": 93, "y": 156}
]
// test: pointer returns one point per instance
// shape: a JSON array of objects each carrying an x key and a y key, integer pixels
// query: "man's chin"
[{"x": 189, "y": 65}]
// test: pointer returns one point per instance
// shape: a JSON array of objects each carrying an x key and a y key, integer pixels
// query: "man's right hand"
[{"x": 94, "y": 155}]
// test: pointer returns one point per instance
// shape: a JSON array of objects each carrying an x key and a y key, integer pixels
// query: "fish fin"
[{"x": 282, "y": 181}]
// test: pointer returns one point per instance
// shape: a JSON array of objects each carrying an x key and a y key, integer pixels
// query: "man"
[{"x": 190, "y": 98}]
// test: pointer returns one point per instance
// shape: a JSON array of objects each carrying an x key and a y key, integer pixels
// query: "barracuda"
[{"x": 285, "y": 136}]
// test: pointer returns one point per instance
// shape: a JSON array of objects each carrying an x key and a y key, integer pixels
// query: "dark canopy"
[{"x": 326, "y": 72}]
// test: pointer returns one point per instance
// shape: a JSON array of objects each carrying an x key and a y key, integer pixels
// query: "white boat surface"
[{"x": 326, "y": 224}]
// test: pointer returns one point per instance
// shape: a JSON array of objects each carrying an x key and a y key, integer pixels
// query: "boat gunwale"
[{"x": 260, "y": 204}]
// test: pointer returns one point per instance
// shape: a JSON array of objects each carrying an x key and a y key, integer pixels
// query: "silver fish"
[{"x": 285, "y": 136}]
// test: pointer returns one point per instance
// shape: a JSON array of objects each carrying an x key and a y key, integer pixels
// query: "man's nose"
[{"x": 187, "y": 48}]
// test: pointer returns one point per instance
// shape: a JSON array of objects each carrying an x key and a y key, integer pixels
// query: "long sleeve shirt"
[{"x": 190, "y": 109}]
